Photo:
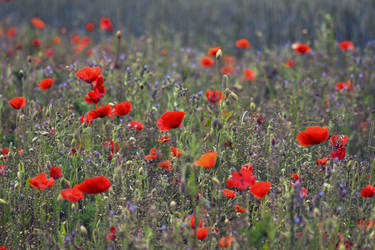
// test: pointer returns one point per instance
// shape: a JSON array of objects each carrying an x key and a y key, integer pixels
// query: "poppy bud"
[
  {"x": 83, "y": 230},
  {"x": 226, "y": 221},
  {"x": 140, "y": 170},
  {"x": 118, "y": 34},
  {"x": 173, "y": 204},
  {"x": 73, "y": 206},
  {"x": 20, "y": 73},
  {"x": 215, "y": 180},
  {"x": 219, "y": 53},
  {"x": 29, "y": 59}
]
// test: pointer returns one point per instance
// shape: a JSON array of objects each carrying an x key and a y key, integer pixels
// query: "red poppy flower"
[
  {"x": 207, "y": 62},
  {"x": 12, "y": 32},
  {"x": 136, "y": 125},
  {"x": 17, "y": 102},
  {"x": 176, "y": 152},
  {"x": 239, "y": 209},
  {"x": 242, "y": 179},
  {"x": 90, "y": 26},
  {"x": 164, "y": 139},
  {"x": 213, "y": 51},
  {"x": 95, "y": 185},
  {"x": 36, "y": 42},
  {"x": 368, "y": 191},
  {"x": 112, "y": 235},
  {"x": 339, "y": 153},
  {"x": 46, "y": 83},
  {"x": 230, "y": 60},
  {"x": 303, "y": 192},
  {"x": 338, "y": 140},
  {"x": 3, "y": 247},
  {"x": 214, "y": 96},
  {"x": 98, "y": 84},
  {"x": 73, "y": 195},
  {"x": 295, "y": 176},
  {"x": 48, "y": 53},
  {"x": 55, "y": 172},
  {"x": 207, "y": 160},
  {"x": 114, "y": 146},
  {"x": 260, "y": 189},
  {"x": 346, "y": 45},
  {"x": 123, "y": 108},
  {"x": 301, "y": 48},
  {"x": 228, "y": 69},
  {"x": 93, "y": 96},
  {"x": 41, "y": 182},
  {"x": 243, "y": 43},
  {"x": 344, "y": 85},
  {"x": 102, "y": 111},
  {"x": 89, "y": 74},
  {"x": 322, "y": 161},
  {"x": 312, "y": 136},
  {"x": 202, "y": 233},
  {"x": 290, "y": 63},
  {"x": 5, "y": 150},
  {"x": 229, "y": 193},
  {"x": 170, "y": 120},
  {"x": 2, "y": 169},
  {"x": 249, "y": 75},
  {"x": 38, "y": 23},
  {"x": 106, "y": 24},
  {"x": 152, "y": 156},
  {"x": 166, "y": 165},
  {"x": 192, "y": 222},
  {"x": 225, "y": 242}
]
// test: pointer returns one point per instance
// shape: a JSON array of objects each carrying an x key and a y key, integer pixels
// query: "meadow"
[{"x": 111, "y": 141}]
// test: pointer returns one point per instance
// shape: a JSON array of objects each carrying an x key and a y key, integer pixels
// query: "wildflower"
[
  {"x": 225, "y": 242},
  {"x": 228, "y": 69},
  {"x": 152, "y": 155},
  {"x": 12, "y": 32},
  {"x": 136, "y": 125},
  {"x": 123, "y": 108},
  {"x": 114, "y": 146},
  {"x": 192, "y": 222},
  {"x": 242, "y": 179},
  {"x": 17, "y": 102},
  {"x": 213, "y": 51},
  {"x": 38, "y": 23},
  {"x": 249, "y": 75},
  {"x": 106, "y": 24},
  {"x": 112, "y": 235},
  {"x": 312, "y": 136},
  {"x": 166, "y": 165},
  {"x": 102, "y": 111},
  {"x": 207, "y": 160},
  {"x": 5, "y": 150},
  {"x": 301, "y": 48},
  {"x": 214, "y": 96},
  {"x": 207, "y": 62},
  {"x": 290, "y": 63},
  {"x": 239, "y": 209},
  {"x": 176, "y": 152},
  {"x": 98, "y": 84},
  {"x": 73, "y": 195},
  {"x": 338, "y": 153},
  {"x": 46, "y": 83},
  {"x": 243, "y": 43},
  {"x": 48, "y": 53},
  {"x": 89, "y": 74},
  {"x": 294, "y": 176},
  {"x": 260, "y": 189},
  {"x": 170, "y": 120},
  {"x": 229, "y": 193},
  {"x": 36, "y": 42},
  {"x": 344, "y": 85},
  {"x": 41, "y": 182},
  {"x": 346, "y": 45},
  {"x": 322, "y": 161},
  {"x": 164, "y": 139},
  {"x": 55, "y": 172},
  {"x": 338, "y": 140},
  {"x": 95, "y": 185},
  {"x": 202, "y": 233},
  {"x": 2, "y": 169},
  {"x": 93, "y": 96},
  {"x": 90, "y": 26}
]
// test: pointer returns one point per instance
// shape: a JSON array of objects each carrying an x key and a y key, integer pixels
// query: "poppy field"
[{"x": 110, "y": 141}]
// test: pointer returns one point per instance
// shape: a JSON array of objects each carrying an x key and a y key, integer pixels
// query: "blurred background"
[{"x": 263, "y": 22}]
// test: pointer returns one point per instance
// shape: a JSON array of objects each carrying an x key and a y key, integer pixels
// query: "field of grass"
[{"x": 235, "y": 135}]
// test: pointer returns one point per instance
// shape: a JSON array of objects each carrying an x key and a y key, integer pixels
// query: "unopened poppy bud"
[
  {"x": 60, "y": 198},
  {"x": 118, "y": 34},
  {"x": 173, "y": 204},
  {"x": 83, "y": 230},
  {"x": 3, "y": 201},
  {"x": 316, "y": 212},
  {"x": 20, "y": 73},
  {"x": 219, "y": 53},
  {"x": 140, "y": 170},
  {"x": 215, "y": 180},
  {"x": 234, "y": 95},
  {"x": 252, "y": 105},
  {"x": 226, "y": 221},
  {"x": 29, "y": 59},
  {"x": 73, "y": 205}
]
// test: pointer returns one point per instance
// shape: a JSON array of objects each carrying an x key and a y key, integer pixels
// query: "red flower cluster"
[
  {"x": 152, "y": 156},
  {"x": 242, "y": 179},
  {"x": 41, "y": 181}
]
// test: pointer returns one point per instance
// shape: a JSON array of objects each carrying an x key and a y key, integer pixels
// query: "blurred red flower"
[
  {"x": 36, "y": 42},
  {"x": 242, "y": 179},
  {"x": 243, "y": 43},
  {"x": 239, "y": 209},
  {"x": 207, "y": 160},
  {"x": 90, "y": 26},
  {"x": 322, "y": 161},
  {"x": 41, "y": 181},
  {"x": 121, "y": 109},
  {"x": 102, "y": 111},
  {"x": 213, "y": 51},
  {"x": 17, "y": 102},
  {"x": 346, "y": 45},
  {"x": 202, "y": 233},
  {"x": 207, "y": 62},
  {"x": 164, "y": 139},
  {"x": 338, "y": 153},
  {"x": 89, "y": 74},
  {"x": 166, "y": 165},
  {"x": 192, "y": 222},
  {"x": 312, "y": 136},
  {"x": 38, "y": 23},
  {"x": 368, "y": 191},
  {"x": 214, "y": 96},
  {"x": 152, "y": 156},
  {"x": 136, "y": 125},
  {"x": 93, "y": 96},
  {"x": 249, "y": 75},
  {"x": 260, "y": 189},
  {"x": 95, "y": 185},
  {"x": 170, "y": 120},
  {"x": 344, "y": 85},
  {"x": 338, "y": 140},
  {"x": 12, "y": 32},
  {"x": 301, "y": 48},
  {"x": 55, "y": 172},
  {"x": 46, "y": 83},
  {"x": 106, "y": 24},
  {"x": 225, "y": 242},
  {"x": 73, "y": 195},
  {"x": 229, "y": 193},
  {"x": 176, "y": 152}
]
